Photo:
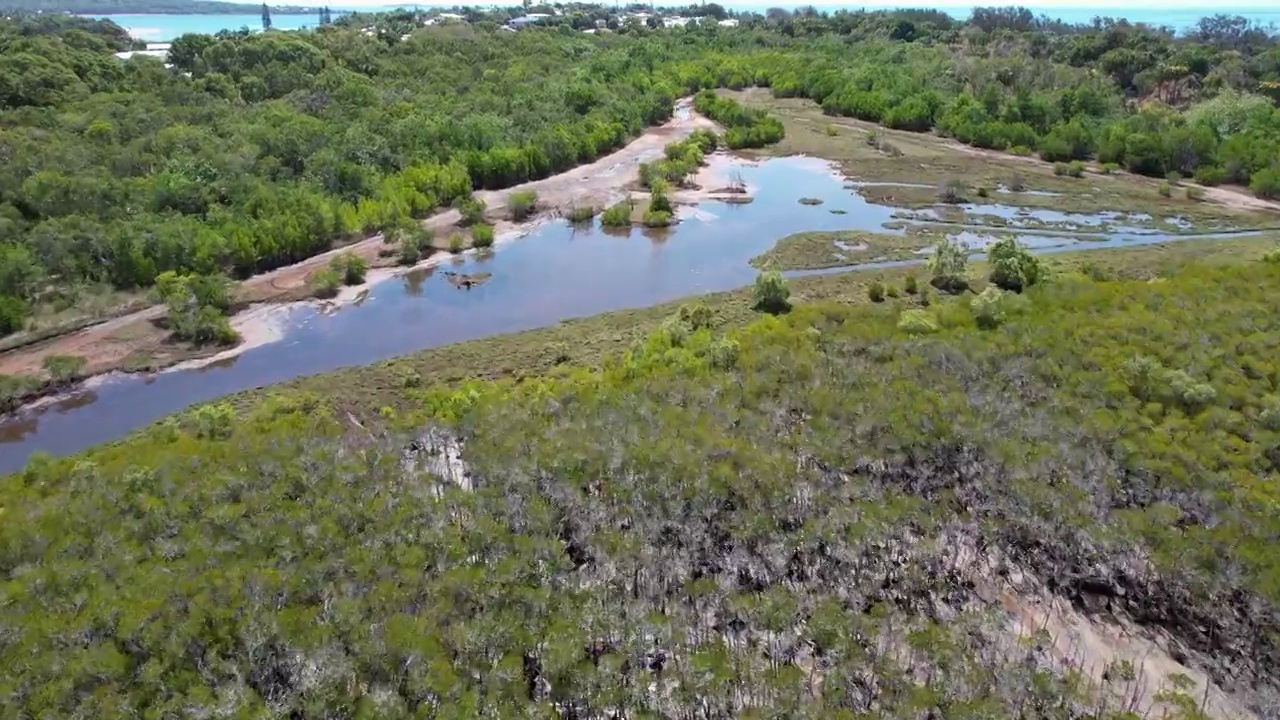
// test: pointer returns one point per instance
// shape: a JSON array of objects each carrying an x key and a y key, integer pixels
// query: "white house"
[{"x": 530, "y": 19}]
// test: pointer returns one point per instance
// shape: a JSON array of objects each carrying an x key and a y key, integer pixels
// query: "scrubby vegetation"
[
  {"x": 197, "y": 307},
  {"x": 522, "y": 203},
  {"x": 482, "y": 236},
  {"x": 731, "y": 521},
  {"x": 826, "y": 512}
]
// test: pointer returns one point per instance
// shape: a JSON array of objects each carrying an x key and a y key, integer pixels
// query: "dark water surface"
[{"x": 557, "y": 272}]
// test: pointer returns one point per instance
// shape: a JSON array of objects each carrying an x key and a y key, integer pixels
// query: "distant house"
[
  {"x": 731, "y": 22},
  {"x": 444, "y": 19},
  {"x": 161, "y": 54},
  {"x": 526, "y": 20}
]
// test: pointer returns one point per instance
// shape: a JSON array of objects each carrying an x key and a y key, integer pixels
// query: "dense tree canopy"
[{"x": 256, "y": 150}]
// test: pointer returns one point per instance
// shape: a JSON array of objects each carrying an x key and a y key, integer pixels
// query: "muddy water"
[{"x": 557, "y": 272}]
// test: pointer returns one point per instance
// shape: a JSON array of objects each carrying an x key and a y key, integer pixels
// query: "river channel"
[{"x": 555, "y": 273}]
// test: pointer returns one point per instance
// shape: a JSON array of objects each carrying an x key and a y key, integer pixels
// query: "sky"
[{"x": 1180, "y": 6}]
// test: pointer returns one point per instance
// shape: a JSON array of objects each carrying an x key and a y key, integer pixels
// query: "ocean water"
[{"x": 163, "y": 28}]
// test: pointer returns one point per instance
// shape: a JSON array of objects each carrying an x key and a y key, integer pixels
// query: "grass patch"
[
  {"x": 916, "y": 155},
  {"x": 824, "y": 249}
]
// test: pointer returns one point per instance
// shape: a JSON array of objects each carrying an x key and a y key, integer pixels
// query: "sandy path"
[
  {"x": 1235, "y": 198},
  {"x": 108, "y": 344}
]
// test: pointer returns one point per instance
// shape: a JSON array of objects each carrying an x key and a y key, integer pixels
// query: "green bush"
[
  {"x": 472, "y": 209},
  {"x": 832, "y": 131},
  {"x": 482, "y": 236},
  {"x": 522, "y": 203},
  {"x": 911, "y": 285},
  {"x": 618, "y": 215},
  {"x": 215, "y": 421},
  {"x": 63, "y": 368},
  {"x": 1165, "y": 190},
  {"x": 1266, "y": 183},
  {"x": 948, "y": 265},
  {"x": 1195, "y": 193},
  {"x": 326, "y": 282},
  {"x": 988, "y": 308},
  {"x": 1173, "y": 177},
  {"x": 706, "y": 140},
  {"x": 658, "y": 200},
  {"x": 350, "y": 267},
  {"x": 581, "y": 213},
  {"x": 1074, "y": 169},
  {"x": 1012, "y": 267},
  {"x": 983, "y": 192},
  {"x": 771, "y": 293},
  {"x": 657, "y": 219},
  {"x": 875, "y": 291},
  {"x": 1272, "y": 257},
  {"x": 456, "y": 243},
  {"x": 409, "y": 252},
  {"x": 1110, "y": 168},
  {"x": 1211, "y": 175},
  {"x": 723, "y": 353},
  {"x": 1270, "y": 415},
  {"x": 917, "y": 322},
  {"x": 205, "y": 326},
  {"x": 13, "y": 311}
]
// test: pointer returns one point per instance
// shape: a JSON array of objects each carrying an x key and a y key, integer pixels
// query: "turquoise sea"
[{"x": 163, "y": 28}]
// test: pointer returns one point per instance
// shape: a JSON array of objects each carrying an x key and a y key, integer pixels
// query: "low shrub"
[
  {"x": 64, "y": 368},
  {"x": 1165, "y": 190},
  {"x": 917, "y": 322},
  {"x": 522, "y": 203},
  {"x": 875, "y": 291},
  {"x": 581, "y": 213},
  {"x": 351, "y": 268},
  {"x": 13, "y": 312},
  {"x": 618, "y": 215},
  {"x": 456, "y": 243},
  {"x": 1110, "y": 168},
  {"x": 657, "y": 218},
  {"x": 1195, "y": 193},
  {"x": 1211, "y": 175},
  {"x": 325, "y": 282},
  {"x": 472, "y": 209},
  {"x": 1074, "y": 169},
  {"x": 1266, "y": 183},
  {"x": 988, "y": 308},
  {"x": 952, "y": 191},
  {"x": 482, "y": 236},
  {"x": 771, "y": 293}
]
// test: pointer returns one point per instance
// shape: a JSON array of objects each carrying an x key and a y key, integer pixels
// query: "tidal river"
[{"x": 555, "y": 273}]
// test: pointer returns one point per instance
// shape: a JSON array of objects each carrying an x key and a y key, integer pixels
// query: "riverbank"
[
  {"x": 566, "y": 272},
  {"x": 136, "y": 341}
]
